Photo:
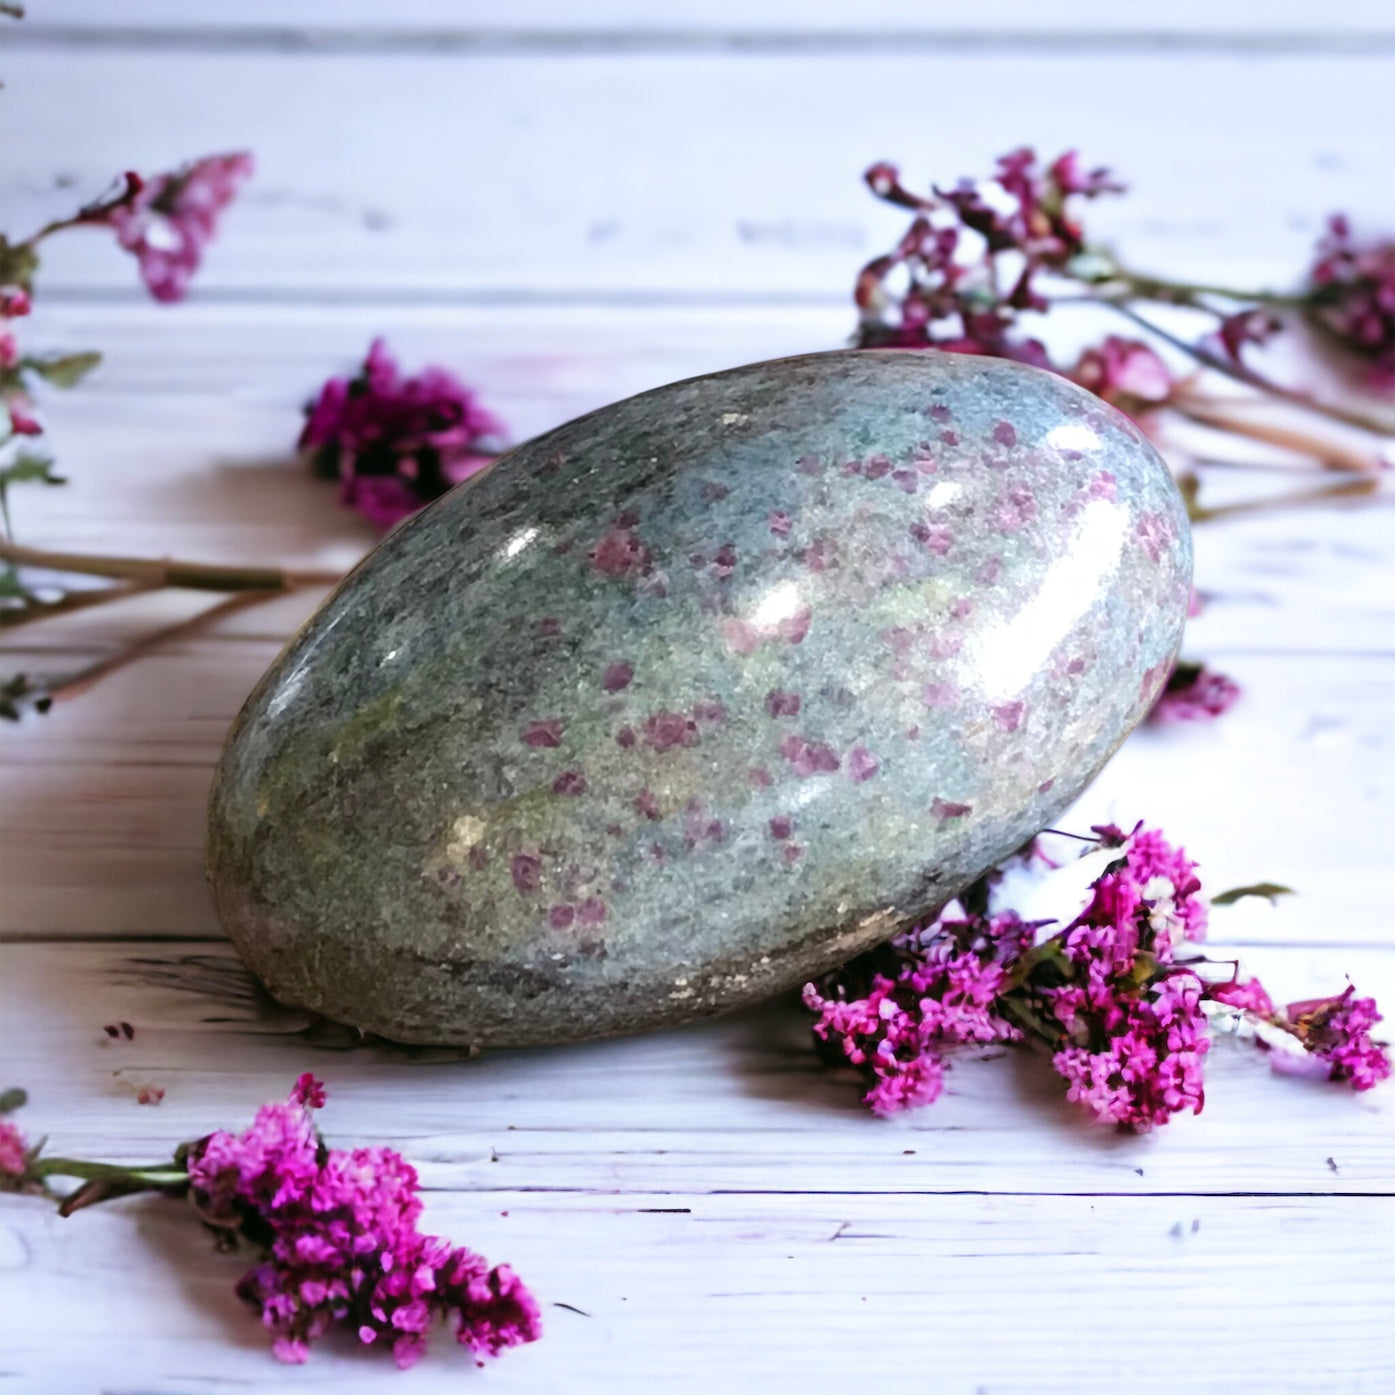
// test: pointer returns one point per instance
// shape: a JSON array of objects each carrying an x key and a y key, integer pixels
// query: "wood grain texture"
[
  {"x": 569, "y": 204},
  {"x": 1073, "y": 20},
  {"x": 961, "y": 1295},
  {"x": 735, "y": 1105},
  {"x": 516, "y": 177}
]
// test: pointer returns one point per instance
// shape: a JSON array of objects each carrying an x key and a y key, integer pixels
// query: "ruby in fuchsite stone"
[{"x": 697, "y": 696}]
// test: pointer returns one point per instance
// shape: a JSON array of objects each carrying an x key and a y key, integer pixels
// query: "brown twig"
[
  {"x": 151, "y": 573},
  {"x": 1332, "y": 455},
  {"x": 1342, "y": 489},
  {"x": 1349, "y": 416},
  {"x": 89, "y": 677},
  {"x": 72, "y": 601}
]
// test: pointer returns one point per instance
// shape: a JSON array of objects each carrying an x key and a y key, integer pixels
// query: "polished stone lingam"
[{"x": 697, "y": 696}]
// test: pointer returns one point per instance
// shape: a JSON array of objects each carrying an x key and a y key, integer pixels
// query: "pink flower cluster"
[
  {"x": 13, "y": 1151},
  {"x": 14, "y": 304},
  {"x": 1127, "y": 374},
  {"x": 936, "y": 987},
  {"x": 1128, "y": 1019},
  {"x": 1148, "y": 1065},
  {"x": 339, "y": 1233},
  {"x": 966, "y": 296},
  {"x": 1123, "y": 1018},
  {"x": 168, "y": 220},
  {"x": 1194, "y": 693},
  {"x": 393, "y": 442},
  {"x": 1351, "y": 288},
  {"x": 1337, "y": 1030}
]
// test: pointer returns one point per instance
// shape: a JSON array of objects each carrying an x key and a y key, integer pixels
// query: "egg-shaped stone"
[{"x": 698, "y": 696}]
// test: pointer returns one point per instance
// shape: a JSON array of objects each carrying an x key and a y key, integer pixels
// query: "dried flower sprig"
[
  {"x": 166, "y": 222},
  {"x": 335, "y": 1231},
  {"x": 982, "y": 258},
  {"x": 1115, "y": 996}
]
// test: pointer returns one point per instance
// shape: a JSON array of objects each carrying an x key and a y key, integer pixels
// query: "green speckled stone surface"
[{"x": 697, "y": 696}]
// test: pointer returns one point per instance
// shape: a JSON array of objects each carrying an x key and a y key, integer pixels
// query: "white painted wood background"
[{"x": 569, "y": 203}]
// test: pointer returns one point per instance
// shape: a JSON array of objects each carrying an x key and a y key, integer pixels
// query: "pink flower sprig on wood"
[
  {"x": 983, "y": 261},
  {"x": 1123, "y": 1017},
  {"x": 966, "y": 269},
  {"x": 1194, "y": 693},
  {"x": 394, "y": 442},
  {"x": 1334, "y": 1034},
  {"x": 335, "y": 1228},
  {"x": 166, "y": 221},
  {"x": 893, "y": 1014}
]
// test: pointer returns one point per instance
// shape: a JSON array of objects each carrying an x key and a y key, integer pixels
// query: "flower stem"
[
  {"x": 1332, "y": 455},
  {"x": 152, "y": 573},
  {"x": 67, "y": 604},
  {"x": 1170, "y": 292},
  {"x": 1340, "y": 490},
  {"x": 89, "y": 677},
  {"x": 156, "y": 1175},
  {"x": 1241, "y": 374}
]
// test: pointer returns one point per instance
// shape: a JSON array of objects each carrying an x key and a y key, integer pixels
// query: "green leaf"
[
  {"x": 11, "y": 587},
  {"x": 63, "y": 370},
  {"x": 1271, "y": 891},
  {"x": 18, "y": 263},
  {"x": 29, "y": 469},
  {"x": 10, "y": 1100}
]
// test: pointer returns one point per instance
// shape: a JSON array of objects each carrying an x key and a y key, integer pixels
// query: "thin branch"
[
  {"x": 1241, "y": 374},
  {"x": 1167, "y": 292},
  {"x": 1324, "y": 494},
  {"x": 12, "y": 619},
  {"x": 89, "y": 677},
  {"x": 1333, "y": 455},
  {"x": 151, "y": 573}
]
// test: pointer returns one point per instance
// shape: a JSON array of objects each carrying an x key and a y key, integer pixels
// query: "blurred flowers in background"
[
  {"x": 167, "y": 221},
  {"x": 980, "y": 267},
  {"x": 981, "y": 258},
  {"x": 395, "y": 443},
  {"x": 1351, "y": 295}
]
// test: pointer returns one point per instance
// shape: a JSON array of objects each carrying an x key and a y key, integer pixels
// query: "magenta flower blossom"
[
  {"x": 1194, "y": 693},
  {"x": 1126, "y": 373},
  {"x": 957, "y": 296},
  {"x": 1149, "y": 1064},
  {"x": 1123, "y": 1020},
  {"x": 13, "y": 1152},
  {"x": 168, "y": 220},
  {"x": 338, "y": 1231},
  {"x": 1351, "y": 291},
  {"x": 1251, "y": 326},
  {"x": 940, "y": 988},
  {"x": 1335, "y": 1032},
  {"x": 1338, "y": 1030},
  {"x": 396, "y": 443},
  {"x": 1247, "y": 995}
]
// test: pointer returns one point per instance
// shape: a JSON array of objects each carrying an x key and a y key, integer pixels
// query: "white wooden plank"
[
  {"x": 700, "y": 174},
  {"x": 988, "y": 17},
  {"x": 957, "y": 1295},
  {"x": 735, "y": 1105}
]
